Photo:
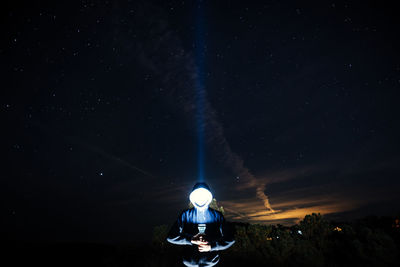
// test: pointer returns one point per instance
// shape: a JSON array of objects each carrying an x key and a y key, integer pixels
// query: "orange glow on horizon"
[{"x": 253, "y": 210}]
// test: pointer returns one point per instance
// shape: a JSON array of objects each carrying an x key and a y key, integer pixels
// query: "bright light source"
[
  {"x": 202, "y": 228},
  {"x": 200, "y": 197},
  {"x": 300, "y": 232}
]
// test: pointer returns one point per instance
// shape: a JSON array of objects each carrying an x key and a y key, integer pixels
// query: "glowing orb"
[{"x": 200, "y": 197}]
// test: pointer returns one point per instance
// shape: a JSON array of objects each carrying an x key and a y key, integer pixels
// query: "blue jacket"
[{"x": 217, "y": 233}]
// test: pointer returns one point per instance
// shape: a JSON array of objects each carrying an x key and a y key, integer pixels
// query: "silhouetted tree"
[{"x": 367, "y": 242}]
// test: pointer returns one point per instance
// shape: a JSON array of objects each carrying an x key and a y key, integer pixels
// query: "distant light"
[
  {"x": 300, "y": 232},
  {"x": 101, "y": 174},
  {"x": 338, "y": 229}
]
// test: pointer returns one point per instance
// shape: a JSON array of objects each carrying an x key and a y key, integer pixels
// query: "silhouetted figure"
[{"x": 201, "y": 229}]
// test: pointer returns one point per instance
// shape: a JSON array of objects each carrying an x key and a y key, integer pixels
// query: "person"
[{"x": 201, "y": 229}]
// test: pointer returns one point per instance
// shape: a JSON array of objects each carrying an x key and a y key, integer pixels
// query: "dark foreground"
[{"x": 373, "y": 241}]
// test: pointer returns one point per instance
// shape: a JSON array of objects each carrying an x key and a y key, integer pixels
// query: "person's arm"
[
  {"x": 226, "y": 240},
  {"x": 177, "y": 236}
]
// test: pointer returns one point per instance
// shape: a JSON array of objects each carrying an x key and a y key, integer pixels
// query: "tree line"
[{"x": 314, "y": 241}]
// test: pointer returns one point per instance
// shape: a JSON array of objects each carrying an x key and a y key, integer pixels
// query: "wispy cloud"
[
  {"x": 329, "y": 193},
  {"x": 165, "y": 57},
  {"x": 287, "y": 212}
]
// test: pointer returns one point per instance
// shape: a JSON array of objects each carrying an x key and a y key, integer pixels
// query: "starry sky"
[{"x": 99, "y": 113}]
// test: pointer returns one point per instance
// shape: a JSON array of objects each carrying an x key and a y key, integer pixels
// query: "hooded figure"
[{"x": 201, "y": 229}]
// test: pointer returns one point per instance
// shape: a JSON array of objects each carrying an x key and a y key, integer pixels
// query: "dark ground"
[{"x": 372, "y": 241}]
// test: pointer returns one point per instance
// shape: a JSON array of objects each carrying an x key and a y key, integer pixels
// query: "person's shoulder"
[
  {"x": 217, "y": 214},
  {"x": 187, "y": 212}
]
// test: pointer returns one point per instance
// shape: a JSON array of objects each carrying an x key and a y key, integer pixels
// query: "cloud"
[
  {"x": 287, "y": 210},
  {"x": 310, "y": 189},
  {"x": 271, "y": 196},
  {"x": 164, "y": 55}
]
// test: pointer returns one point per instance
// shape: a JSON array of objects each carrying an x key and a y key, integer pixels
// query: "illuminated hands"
[
  {"x": 204, "y": 247},
  {"x": 201, "y": 243}
]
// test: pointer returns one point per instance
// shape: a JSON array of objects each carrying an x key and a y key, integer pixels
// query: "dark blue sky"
[{"x": 99, "y": 113}]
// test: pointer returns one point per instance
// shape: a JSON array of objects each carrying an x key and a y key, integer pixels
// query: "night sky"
[{"x": 100, "y": 113}]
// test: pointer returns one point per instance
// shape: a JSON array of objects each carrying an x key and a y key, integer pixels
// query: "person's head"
[{"x": 201, "y": 196}]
